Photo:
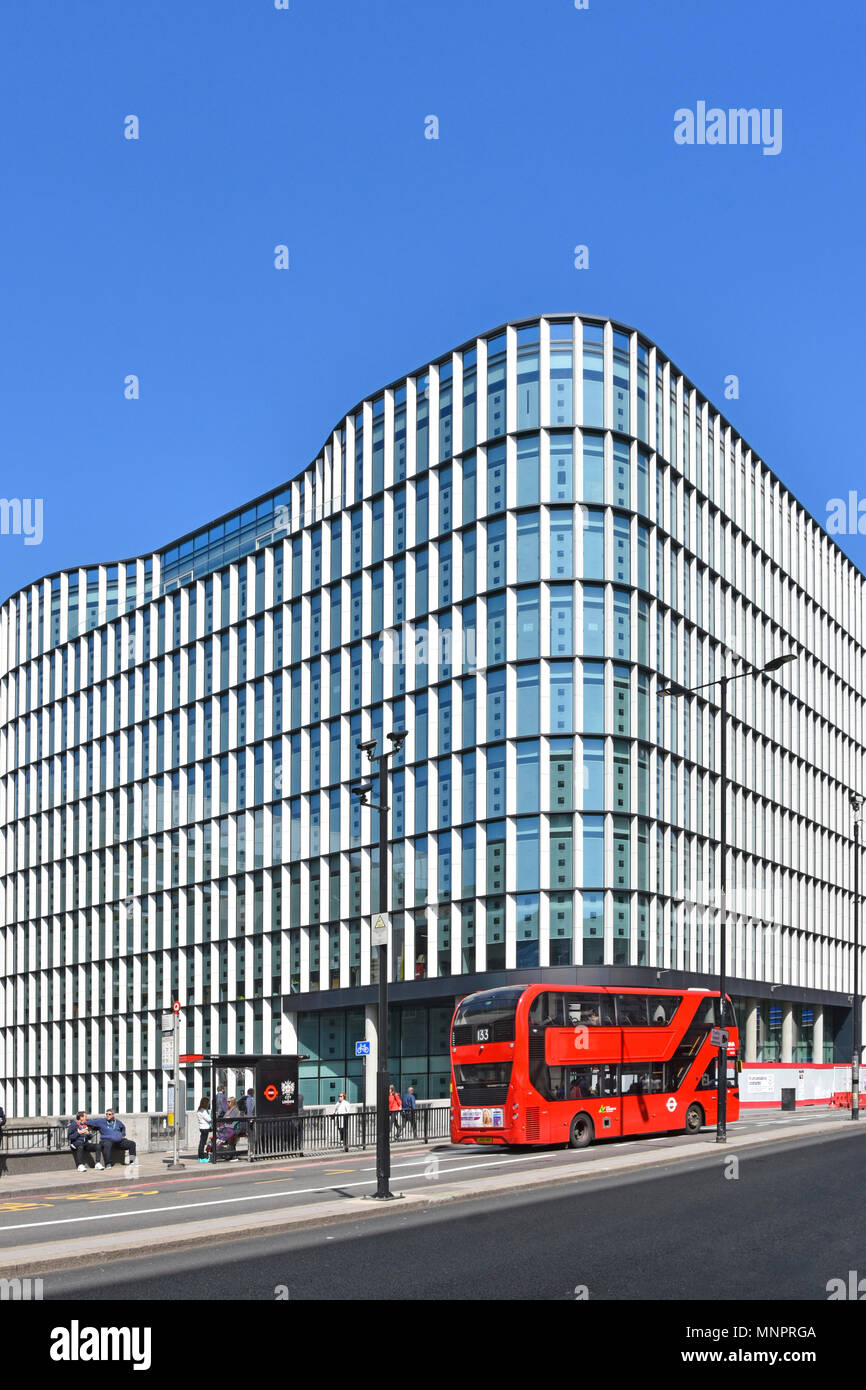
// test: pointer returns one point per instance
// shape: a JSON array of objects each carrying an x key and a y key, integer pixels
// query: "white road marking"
[
  {"x": 225, "y": 1201},
  {"x": 481, "y": 1161}
]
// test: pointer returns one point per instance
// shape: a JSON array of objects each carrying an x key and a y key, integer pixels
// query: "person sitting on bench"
[
  {"x": 78, "y": 1134},
  {"x": 113, "y": 1135}
]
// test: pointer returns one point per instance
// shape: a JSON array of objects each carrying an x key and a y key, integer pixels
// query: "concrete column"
[
  {"x": 789, "y": 1032},
  {"x": 818, "y": 1034},
  {"x": 371, "y": 1063},
  {"x": 750, "y": 1038}
]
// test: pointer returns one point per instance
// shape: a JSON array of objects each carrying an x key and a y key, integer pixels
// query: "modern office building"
[{"x": 504, "y": 553}]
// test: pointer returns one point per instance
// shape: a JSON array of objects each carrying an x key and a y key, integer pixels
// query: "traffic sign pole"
[{"x": 175, "y": 1162}]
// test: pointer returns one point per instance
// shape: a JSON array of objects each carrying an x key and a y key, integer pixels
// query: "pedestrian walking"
[
  {"x": 205, "y": 1124},
  {"x": 410, "y": 1110},
  {"x": 2, "y": 1123},
  {"x": 395, "y": 1105},
  {"x": 341, "y": 1110}
]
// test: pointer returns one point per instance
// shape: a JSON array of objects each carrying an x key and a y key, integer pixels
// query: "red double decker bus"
[{"x": 539, "y": 1065}]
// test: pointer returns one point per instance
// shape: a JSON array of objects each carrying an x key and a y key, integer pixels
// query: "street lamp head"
[
  {"x": 672, "y": 688},
  {"x": 779, "y": 661}
]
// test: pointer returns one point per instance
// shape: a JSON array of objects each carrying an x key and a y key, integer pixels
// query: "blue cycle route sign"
[{"x": 362, "y": 1049}]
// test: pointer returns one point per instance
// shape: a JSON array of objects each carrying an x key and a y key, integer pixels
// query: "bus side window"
[
  {"x": 581, "y": 1083},
  {"x": 639, "y": 1081},
  {"x": 555, "y": 1083},
  {"x": 662, "y": 1007},
  {"x": 708, "y": 1012},
  {"x": 588, "y": 1010},
  {"x": 546, "y": 1010},
  {"x": 605, "y": 1011},
  {"x": 708, "y": 1080},
  {"x": 555, "y": 1010},
  {"x": 631, "y": 1010}
]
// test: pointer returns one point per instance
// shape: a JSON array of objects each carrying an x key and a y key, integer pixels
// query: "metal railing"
[
  {"x": 292, "y": 1135},
  {"x": 33, "y": 1138}
]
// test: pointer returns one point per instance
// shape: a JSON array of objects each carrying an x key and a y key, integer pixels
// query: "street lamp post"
[
  {"x": 722, "y": 1062},
  {"x": 674, "y": 688},
  {"x": 857, "y": 1011},
  {"x": 383, "y": 1138}
]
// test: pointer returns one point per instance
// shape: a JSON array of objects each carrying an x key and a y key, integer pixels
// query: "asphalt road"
[
  {"x": 791, "y": 1220},
  {"x": 201, "y": 1192}
]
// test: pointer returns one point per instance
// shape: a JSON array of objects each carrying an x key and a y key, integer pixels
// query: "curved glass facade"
[{"x": 505, "y": 554}]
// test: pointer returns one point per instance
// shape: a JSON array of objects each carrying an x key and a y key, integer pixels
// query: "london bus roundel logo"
[
  {"x": 271, "y": 1092},
  {"x": 671, "y": 1104}
]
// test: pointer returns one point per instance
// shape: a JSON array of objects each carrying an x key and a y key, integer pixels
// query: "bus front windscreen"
[
  {"x": 482, "y": 1083},
  {"x": 486, "y": 1018}
]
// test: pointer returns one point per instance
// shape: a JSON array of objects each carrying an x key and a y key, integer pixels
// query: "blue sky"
[{"x": 306, "y": 127}]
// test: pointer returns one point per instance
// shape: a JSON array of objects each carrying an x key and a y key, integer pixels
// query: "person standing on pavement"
[
  {"x": 205, "y": 1123},
  {"x": 410, "y": 1107},
  {"x": 2, "y": 1123},
  {"x": 395, "y": 1105},
  {"x": 78, "y": 1134},
  {"x": 341, "y": 1110},
  {"x": 221, "y": 1105}
]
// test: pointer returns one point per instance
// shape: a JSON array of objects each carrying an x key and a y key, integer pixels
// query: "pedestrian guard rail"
[
  {"x": 25, "y": 1139},
  {"x": 262, "y": 1137}
]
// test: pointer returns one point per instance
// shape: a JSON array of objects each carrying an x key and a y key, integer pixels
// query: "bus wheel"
[
  {"x": 581, "y": 1133},
  {"x": 694, "y": 1119}
]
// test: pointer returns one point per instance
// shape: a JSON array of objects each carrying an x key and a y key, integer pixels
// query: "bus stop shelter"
[{"x": 273, "y": 1126}]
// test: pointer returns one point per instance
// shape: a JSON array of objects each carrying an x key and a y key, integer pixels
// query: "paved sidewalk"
[{"x": 607, "y": 1162}]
